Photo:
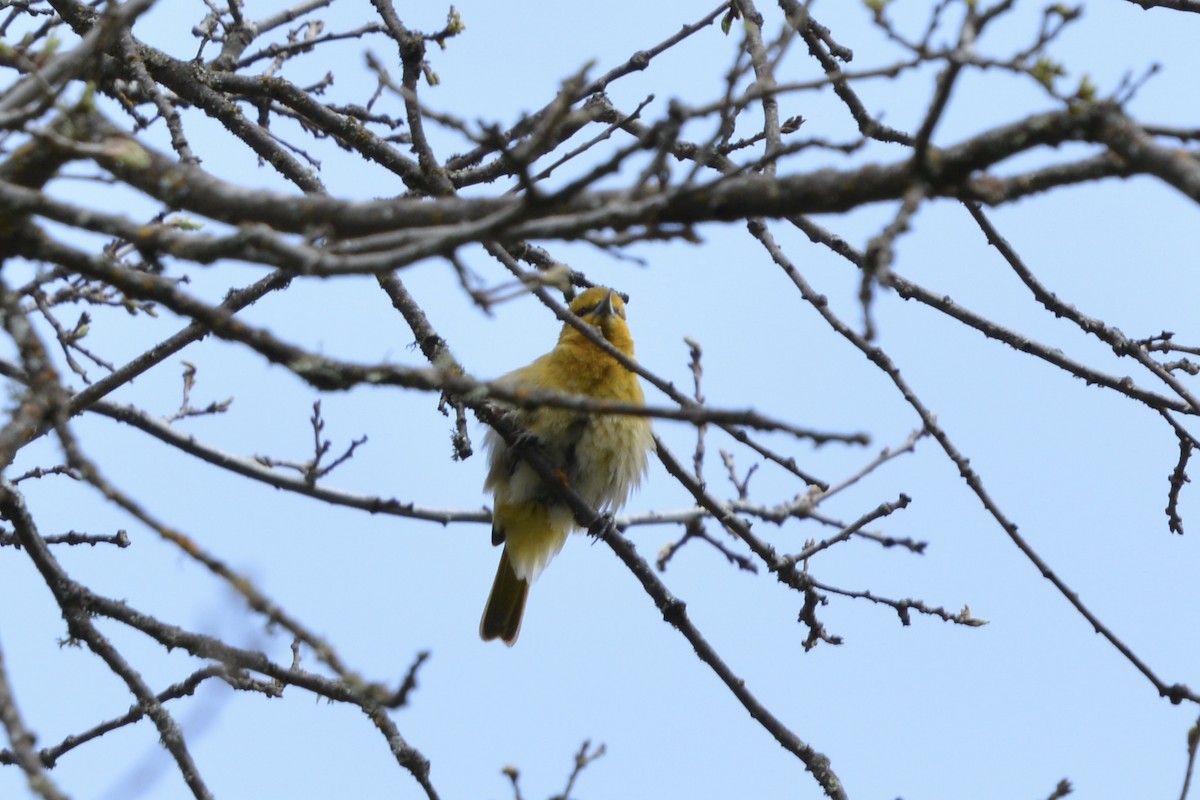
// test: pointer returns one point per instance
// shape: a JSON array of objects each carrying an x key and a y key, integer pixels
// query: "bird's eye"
[{"x": 583, "y": 312}]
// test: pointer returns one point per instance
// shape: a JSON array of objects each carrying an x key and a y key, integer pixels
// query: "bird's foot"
[{"x": 603, "y": 523}]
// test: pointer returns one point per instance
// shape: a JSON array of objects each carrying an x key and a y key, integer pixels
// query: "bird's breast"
[{"x": 609, "y": 459}]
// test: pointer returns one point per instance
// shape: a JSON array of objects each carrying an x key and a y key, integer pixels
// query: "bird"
[{"x": 603, "y": 457}]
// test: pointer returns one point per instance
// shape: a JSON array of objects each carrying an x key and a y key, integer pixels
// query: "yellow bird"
[{"x": 602, "y": 457}]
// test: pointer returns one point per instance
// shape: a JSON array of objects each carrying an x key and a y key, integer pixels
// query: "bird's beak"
[{"x": 606, "y": 308}]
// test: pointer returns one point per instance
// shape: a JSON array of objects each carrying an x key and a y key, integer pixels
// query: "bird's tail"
[{"x": 505, "y": 605}]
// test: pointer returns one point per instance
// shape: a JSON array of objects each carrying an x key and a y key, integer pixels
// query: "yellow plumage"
[{"x": 602, "y": 457}]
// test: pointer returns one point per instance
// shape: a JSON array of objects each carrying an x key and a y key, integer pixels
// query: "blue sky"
[{"x": 926, "y": 711}]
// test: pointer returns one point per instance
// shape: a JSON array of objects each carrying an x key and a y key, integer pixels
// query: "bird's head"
[{"x": 603, "y": 309}]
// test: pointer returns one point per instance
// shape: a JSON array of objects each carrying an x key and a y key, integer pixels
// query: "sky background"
[{"x": 927, "y": 711}]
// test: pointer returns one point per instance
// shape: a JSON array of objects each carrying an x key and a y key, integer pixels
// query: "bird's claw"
[{"x": 604, "y": 522}]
